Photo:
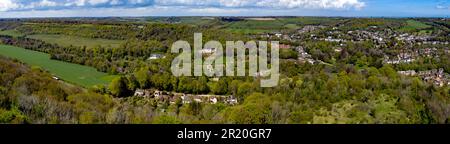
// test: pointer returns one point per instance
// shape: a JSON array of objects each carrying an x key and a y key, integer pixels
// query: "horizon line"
[{"x": 56, "y": 17}]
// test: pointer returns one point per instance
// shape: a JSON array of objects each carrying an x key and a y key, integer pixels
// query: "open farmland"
[
  {"x": 413, "y": 25},
  {"x": 65, "y": 40},
  {"x": 73, "y": 73},
  {"x": 12, "y": 33},
  {"x": 267, "y": 25}
]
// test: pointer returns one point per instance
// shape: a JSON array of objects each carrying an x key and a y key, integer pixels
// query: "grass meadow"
[
  {"x": 65, "y": 40},
  {"x": 73, "y": 73}
]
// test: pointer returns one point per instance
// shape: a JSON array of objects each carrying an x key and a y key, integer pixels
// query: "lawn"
[
  {"x": 78, "y": 74},
  {"x": 12, "y": 33},
  {"x": 65, "y": 40}
]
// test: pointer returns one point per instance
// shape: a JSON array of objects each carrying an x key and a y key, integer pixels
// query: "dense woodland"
[{"x": 353, "y": 87}]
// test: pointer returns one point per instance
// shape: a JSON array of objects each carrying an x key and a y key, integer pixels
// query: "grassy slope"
[
  {"x": 74, "y": 73},
  {"x": 263, "y": 26},
  {"x": 13, "y": 33},
  {"x": 413, "y": 25},
  {"x": 76, "y": 41}
]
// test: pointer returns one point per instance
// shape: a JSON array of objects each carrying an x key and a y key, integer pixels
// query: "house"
[
  {"x": 262, "y": 73},
  {"x": 210, "y": 68},
  {"x": 213, "y": 100},
  {"x": 156, "y": 56},
  {"x": 408, "y": 73},
  {"x": 231, "y": 100},
  {"x": 139, "y": 92},
  {"x": 331, "y": 39},
  {"x": 186, "y": 99},
  {"x": 216, "y": 79},
  {"x": 287, "y": 37},
  {"x": 173, "y": 99},
  {"x": 208, "y": 50},
  {"x": 284, "y": 46},
  {"x": 278, "y": 35},
  {"x": 55, "y": 78},
  {"x": 198, "y": 99},
  {"x": 158, "y": 94}
]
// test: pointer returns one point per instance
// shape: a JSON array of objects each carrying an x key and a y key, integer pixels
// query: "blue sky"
[{"x": 104, "y": 8}]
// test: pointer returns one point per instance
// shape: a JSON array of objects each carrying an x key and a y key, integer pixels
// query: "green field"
[
  {"x": 13, "y": 33},
  {"x": 413, "y": 26},
  {"x": 254, "y": 26},
  {"x": 73, "y": 73},
  {"x": 276, "y": 25},
  {"x": 65, "y": 40}
]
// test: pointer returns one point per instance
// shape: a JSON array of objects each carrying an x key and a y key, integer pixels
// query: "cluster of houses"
[
  {"x": 172, "y": 97},
  {"x": 309, "y": 28},
  {"x": 331, "y": 39},
  {"x": 420, "y": 39},
  {"x": 378, "y": 36},
  {"x": 304, "y": 56},
  {"x": 411, "y": 38},
  {"x": 408, "y": 57},
  {"x": 403, "y": 57},
  {"x": 435, "y": 76},
  {"x": 433, "y": 43},
  {"x": 428, "y": 52},
  {"x": 293, "y": 36},
  {"x": 278, "y": 35}
]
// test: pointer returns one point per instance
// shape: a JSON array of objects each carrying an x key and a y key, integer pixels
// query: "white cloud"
[
  {"x": 312, "y": 4},
  {"x": 136, "y": 1},
  {"x": 78, "y": 2},
  {"x": 236, "y": 3},
  {"x": 212, "y": 5},
  {"x": 114, "y": 2},
  {"x": 40, "y": 4},
  {"x": 47, "y": 3},
  {"x": 213, "y": 11},
  {"x": 96, "y": 2},
  {"x": 442, "y": 7},
  {"x": 81, "y": 3},
  {"x": 6, "y": 5}
]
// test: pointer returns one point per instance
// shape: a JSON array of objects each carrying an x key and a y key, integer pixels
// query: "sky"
[{"x": 134, "y": 8}]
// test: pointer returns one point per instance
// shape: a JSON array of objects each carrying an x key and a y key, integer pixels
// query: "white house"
[
  {"x": 213, "y": 100},
  {"x": 156, "y": 56},
  {"x": 198, "y": 100},
  {"x": 208, "y": 50},
  {"x": 158, "y": 94},
  {"x": 231, "y": 100},
  {"x": 55, "y": 78},
  {"x": 139, "y": 92}
]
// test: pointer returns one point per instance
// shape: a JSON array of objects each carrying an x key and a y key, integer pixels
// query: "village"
[
  {"x": 435, "y": 76},
  {"x": 416, "y": 47},
  {"x": 172, "y": 97}
]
